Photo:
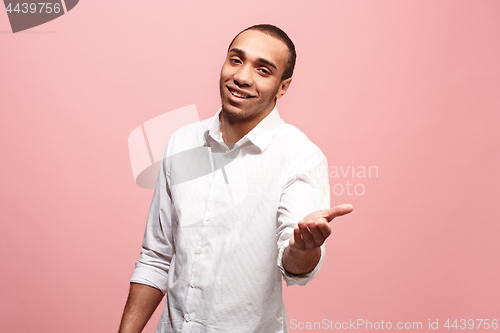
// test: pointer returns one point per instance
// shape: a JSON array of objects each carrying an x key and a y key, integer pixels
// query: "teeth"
[{"x": 237, "y": 94}]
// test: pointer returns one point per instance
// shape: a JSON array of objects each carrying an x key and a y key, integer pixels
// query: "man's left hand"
[{"x": 314, "y": 229}]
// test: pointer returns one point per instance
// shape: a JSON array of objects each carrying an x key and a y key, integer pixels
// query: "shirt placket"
[{"x": 201, "y": 253}]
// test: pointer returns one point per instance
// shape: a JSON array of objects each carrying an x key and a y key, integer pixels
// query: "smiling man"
[{"x": 218, "y": 246}]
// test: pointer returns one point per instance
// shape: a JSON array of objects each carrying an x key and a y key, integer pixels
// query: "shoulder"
[
  {"x": 294, "y": 152},
  {"x": 194, "y": 129},
  {"x": 294, "y": 141},
  {"x": 187, "y": 137}
]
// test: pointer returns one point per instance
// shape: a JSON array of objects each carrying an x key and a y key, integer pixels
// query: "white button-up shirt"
[{"x": 220, "y": 220}]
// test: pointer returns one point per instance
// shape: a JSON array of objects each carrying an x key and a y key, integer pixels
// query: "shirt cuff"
[
  {"x": 150, "y": 277},
  {"x": 301, "y": 279}
]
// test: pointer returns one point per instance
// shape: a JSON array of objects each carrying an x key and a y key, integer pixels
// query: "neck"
[{"x": 233, "y": 131}]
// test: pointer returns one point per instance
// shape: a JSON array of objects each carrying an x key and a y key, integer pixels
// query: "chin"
[
  {"x": 235, "y": 115},
  {"x": 232, "y": 115}
]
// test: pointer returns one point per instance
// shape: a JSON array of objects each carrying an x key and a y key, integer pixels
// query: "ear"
[{"x": 283, "y": 87}]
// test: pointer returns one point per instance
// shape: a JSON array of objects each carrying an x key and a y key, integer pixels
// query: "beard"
[
  {"x": 247, "y": 115},
  {"x": 236, "y": 117}
]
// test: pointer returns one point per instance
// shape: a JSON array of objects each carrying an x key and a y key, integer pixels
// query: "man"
[{"x": 218, "y": 244}]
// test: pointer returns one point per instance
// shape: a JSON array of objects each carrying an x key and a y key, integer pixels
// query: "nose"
[{"x": 243, "y": 77}]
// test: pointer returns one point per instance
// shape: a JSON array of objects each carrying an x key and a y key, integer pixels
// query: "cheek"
[
  {"x": 268, "y": 89},
  {"x": 226, "y": 72}
]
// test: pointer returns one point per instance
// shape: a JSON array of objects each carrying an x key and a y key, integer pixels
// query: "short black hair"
[{"x": 280, "y": 35}]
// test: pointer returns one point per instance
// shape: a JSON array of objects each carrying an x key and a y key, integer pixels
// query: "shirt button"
[
  {"x": 207, "y": 219},
  {"x": 187, "y": 317},
  {"x": 199, "y": 250},
  {"x": 191, "y": 284}
]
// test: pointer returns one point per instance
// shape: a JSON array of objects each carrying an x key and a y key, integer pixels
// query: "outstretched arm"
[
  {"x": 141, "y": 304},
  {"x": 303, "y": 252}
]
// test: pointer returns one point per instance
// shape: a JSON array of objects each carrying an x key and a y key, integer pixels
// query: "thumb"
[{"x": 339, "y": 210}]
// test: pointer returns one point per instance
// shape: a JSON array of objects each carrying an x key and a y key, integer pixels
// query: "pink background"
[{"x": 411, "y": 87}]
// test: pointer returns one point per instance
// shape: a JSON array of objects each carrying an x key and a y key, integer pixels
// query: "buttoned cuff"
[
  {"x": 301, "y": 279},
  {"x": 150, "y": 277}
]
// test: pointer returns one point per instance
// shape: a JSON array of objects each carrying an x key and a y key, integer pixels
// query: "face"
[{"x": 250, "y": 80}]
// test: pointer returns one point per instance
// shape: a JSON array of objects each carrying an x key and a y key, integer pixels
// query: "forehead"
[{"x": 257, "y": 44}]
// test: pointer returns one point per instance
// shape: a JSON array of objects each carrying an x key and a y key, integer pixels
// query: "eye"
[
  {"x": 265, "y": 71},
  {"x": 235, "y": 61}
]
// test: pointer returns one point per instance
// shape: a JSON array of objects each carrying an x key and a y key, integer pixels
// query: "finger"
[
  {"x": 316, "y": 233},
  {"x": 291, "y": 241},
  {"x": 325, "y": 229},
  {"x": 306, "y": 234},
  {"x": 336, "y": 211},
  {"x": 298, "y": 241}
]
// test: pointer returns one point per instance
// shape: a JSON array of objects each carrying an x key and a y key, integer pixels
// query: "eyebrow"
[{"x": 262, "y": 60}]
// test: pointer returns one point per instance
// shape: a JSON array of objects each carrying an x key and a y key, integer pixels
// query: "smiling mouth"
[{"x": 237, "y": 94}]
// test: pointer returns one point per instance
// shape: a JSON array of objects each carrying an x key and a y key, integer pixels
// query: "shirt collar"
[{"x": 260, "y": 136}]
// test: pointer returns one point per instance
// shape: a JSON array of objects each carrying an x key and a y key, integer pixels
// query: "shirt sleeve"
[
  {"x": 306, "y": 190},
  {"x": 158, "y": 246}
]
